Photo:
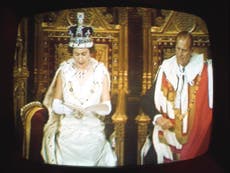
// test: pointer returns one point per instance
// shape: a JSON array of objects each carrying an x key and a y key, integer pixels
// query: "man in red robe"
[{"x": 180, "y": 102}]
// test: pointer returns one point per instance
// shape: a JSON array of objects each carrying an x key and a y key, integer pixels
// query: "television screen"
[{"x": 151, "y": 123}]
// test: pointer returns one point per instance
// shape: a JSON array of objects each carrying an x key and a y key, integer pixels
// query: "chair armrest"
[{"x": 34, "y": 116}]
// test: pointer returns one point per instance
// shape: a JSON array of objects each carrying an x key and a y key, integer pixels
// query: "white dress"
[{"x": 78, "y": 142}]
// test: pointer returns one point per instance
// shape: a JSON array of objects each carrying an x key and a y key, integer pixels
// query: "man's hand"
[{"x": 165, "y": 123}]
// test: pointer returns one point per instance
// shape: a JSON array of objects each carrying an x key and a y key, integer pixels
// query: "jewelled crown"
[{"x": 80, "y": 36}]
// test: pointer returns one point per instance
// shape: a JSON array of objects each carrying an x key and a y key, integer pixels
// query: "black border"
[{"x": 214, "y": 13}]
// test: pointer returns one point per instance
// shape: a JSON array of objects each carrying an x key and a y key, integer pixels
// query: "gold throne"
[
  {"x": 160, "y": 45},
  {"x": 51, "y": 48}
]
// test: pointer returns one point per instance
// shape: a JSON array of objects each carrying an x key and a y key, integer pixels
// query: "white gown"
[{"x": 78, "y": 142}]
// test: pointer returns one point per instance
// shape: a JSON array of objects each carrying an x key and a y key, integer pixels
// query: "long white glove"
[
  {"x": 103, "y": 108},
  {"x": 59, "y": 108}
]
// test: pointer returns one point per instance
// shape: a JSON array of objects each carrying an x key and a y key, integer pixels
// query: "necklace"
[{"x": 81, "y": 73}]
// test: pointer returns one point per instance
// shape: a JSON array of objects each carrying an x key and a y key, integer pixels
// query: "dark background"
[{"x": 216, "y": 16}]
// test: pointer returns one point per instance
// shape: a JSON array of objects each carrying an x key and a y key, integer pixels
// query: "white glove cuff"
[
  {"x": 59, "y": 108},
  {"x": 107, "y": 110},
  {"x": 108, "y": 103},
  {"x": 155, "y": 118}
]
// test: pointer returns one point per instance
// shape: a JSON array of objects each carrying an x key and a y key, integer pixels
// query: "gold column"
[
  {"x": 143, "y": 120},
  {"x": 146, "y": 19},
  {"x": 20, "y": 72},
  {"x": 123, "y": 49},
  {"x": 142, "y": 131},
  {"x": 120, "y": 118}
]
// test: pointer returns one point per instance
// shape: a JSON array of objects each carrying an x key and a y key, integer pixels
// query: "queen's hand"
[{"x": 79, "y": 112}]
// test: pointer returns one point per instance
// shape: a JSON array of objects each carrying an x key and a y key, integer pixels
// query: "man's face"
[
  {"x": 81, "y": 56},
  {"x": 183, "y": 51}
]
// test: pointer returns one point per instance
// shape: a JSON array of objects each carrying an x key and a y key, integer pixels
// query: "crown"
[{"x": 80, "y": 36}]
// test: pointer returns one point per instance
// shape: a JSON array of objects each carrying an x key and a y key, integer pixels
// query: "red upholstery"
[{"x": 37, "y": 123}]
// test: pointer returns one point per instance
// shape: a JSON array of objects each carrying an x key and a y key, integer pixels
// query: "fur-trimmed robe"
[{"x": 188, "y": 104}]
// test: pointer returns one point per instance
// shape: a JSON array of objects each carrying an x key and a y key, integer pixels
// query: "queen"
[{"x": 78, "y": 96}]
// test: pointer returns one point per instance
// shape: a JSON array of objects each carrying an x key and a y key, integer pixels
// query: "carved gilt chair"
[
  {"x": 52, "y": 48},
  {"x": 34, "y": 115},
  {"x": 162, "y": 46}
]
